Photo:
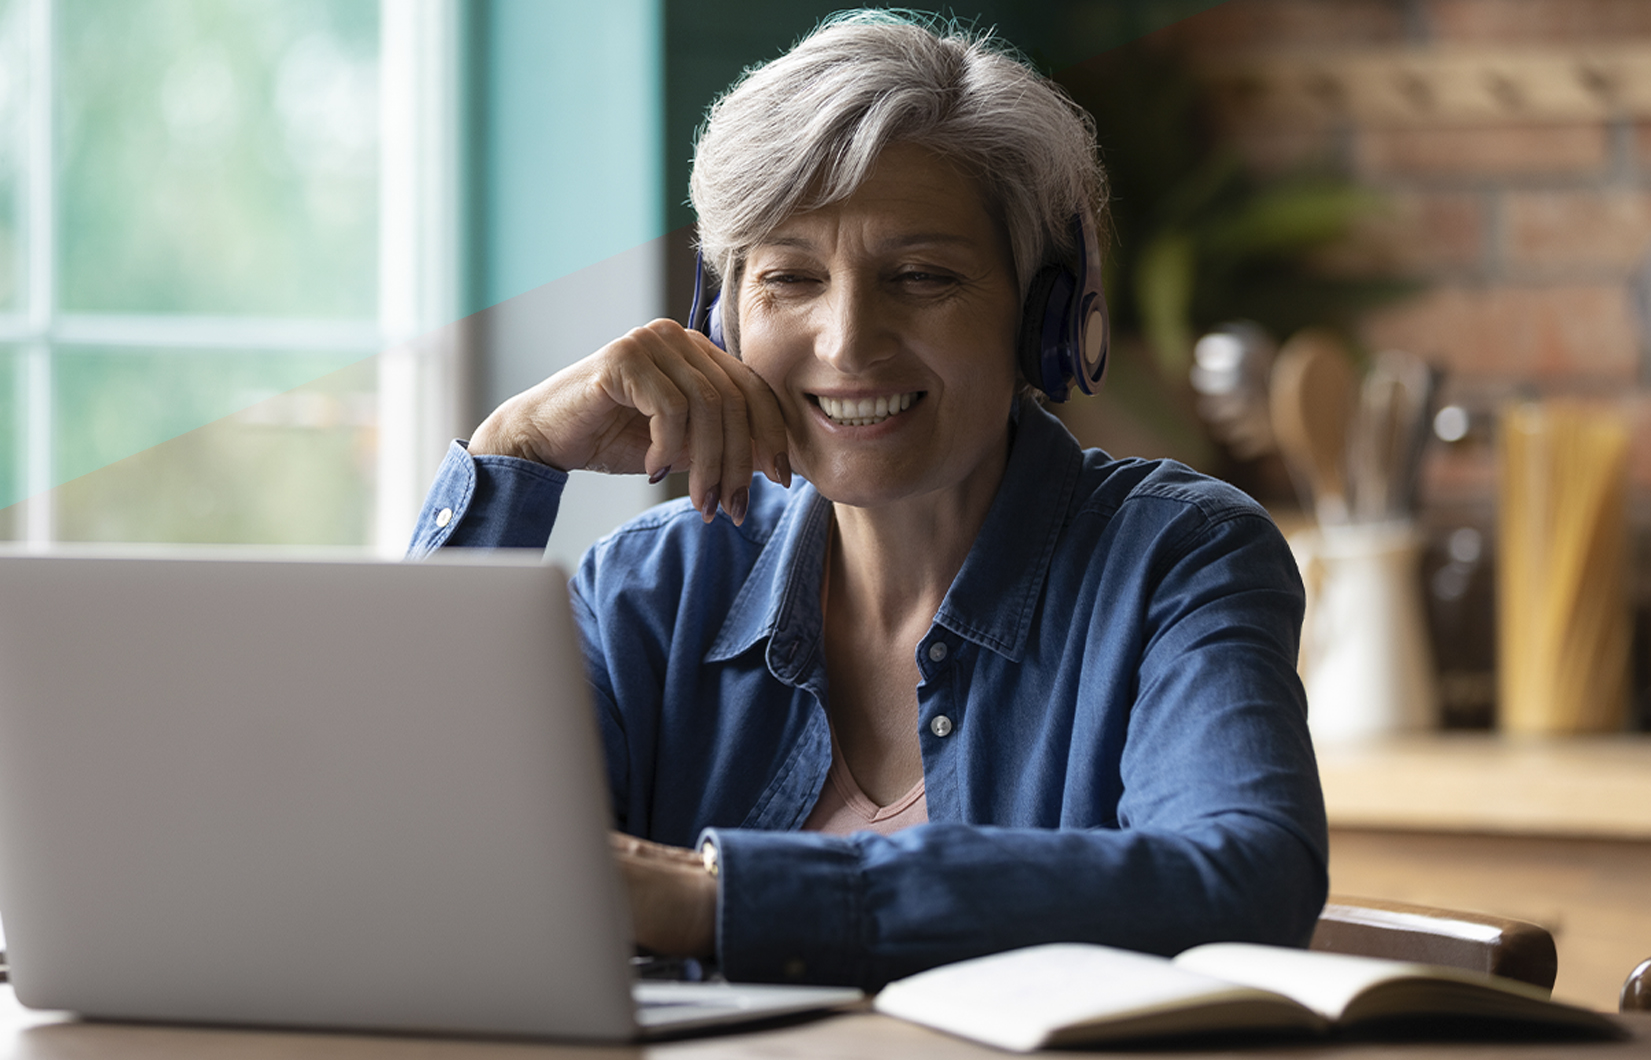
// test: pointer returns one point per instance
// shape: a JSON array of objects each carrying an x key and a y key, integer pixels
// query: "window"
[{"x": 224, "y": 228}]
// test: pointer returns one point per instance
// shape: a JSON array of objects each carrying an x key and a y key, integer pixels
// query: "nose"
[{"x": 853, "y": 331}]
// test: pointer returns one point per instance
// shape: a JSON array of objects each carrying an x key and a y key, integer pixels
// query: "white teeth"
[{"x": 863, "y": 412}]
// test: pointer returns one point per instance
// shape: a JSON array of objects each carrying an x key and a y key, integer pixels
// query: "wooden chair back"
[{"x": 1399, "y": 931}]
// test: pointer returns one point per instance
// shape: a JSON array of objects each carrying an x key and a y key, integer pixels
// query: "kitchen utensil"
[
  {"x": 1390, "y": 427},
  {"x": 1230, "y": 372},
  {"x": 1311, "y": 403},
  {"x": 1564, "y": 627}
]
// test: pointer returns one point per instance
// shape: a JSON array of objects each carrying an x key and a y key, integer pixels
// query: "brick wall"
[{"x": 1512, "y": 140}]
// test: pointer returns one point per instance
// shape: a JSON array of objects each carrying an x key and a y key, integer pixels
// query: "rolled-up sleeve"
[
  {"x": 867, "y": 909},
  {"x": 487, "y": 502}
]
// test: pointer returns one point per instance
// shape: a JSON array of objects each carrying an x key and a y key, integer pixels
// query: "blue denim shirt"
[{"x": 1127, "y": 760}]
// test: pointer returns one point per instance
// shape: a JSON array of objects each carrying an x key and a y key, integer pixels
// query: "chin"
[{"x": 865, "y": 487}]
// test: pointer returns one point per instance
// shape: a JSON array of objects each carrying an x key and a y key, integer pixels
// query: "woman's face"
[{"x": 886, "y": 325}]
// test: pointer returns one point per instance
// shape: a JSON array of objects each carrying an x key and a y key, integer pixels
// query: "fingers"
[
  {"x": 672, "y": 898},
  {"x": 714, "y": 454},
  {"x": 767, "y": 424},
  {"x": 657, "y": 399},
  {"x": 630, "y": 846},
  {"x": 709, "y": 411},
  {"x": 762, "y": 440}
]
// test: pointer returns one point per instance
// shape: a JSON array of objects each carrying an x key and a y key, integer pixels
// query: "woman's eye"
[{"x": 920, "y": 278}]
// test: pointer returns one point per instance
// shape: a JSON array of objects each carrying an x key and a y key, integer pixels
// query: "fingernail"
[
  {"x": 659, "y": 476},
  {"x": 709, "y": 512},
  {"x": 739, "y": 502},
  {"x": 783, "y": 465}
]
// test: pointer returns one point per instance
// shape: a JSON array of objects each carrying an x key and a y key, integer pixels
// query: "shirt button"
[
  {"x": 445, "y": 517},
  {"x": 937, "y": 652},
  {"x": 941, "y": 725}
]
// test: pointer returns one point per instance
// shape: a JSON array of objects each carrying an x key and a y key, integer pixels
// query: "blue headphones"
[
  {"x": 705, "y": 316},
  {"x": 1065, "y": 329}
]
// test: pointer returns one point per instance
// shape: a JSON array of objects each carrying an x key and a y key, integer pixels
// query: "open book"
[{"x": 1078, "y": 994}]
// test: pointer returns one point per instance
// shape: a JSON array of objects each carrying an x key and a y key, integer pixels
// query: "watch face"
[{"x": 708, "y": 857}]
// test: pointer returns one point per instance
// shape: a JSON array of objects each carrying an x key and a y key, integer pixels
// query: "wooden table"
[
  {"x": 1557, "y": 832},
  {"x": 26, "y": 1035}
]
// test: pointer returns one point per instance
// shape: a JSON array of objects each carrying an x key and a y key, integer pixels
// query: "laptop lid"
[{"x": 319, "y": 792}]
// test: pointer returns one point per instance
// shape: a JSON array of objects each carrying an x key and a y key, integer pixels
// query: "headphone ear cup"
[
  {"x": 705, "y": 315},
  {"x": 713, "y": 326},
  {"x": 1029, "y": 350}
]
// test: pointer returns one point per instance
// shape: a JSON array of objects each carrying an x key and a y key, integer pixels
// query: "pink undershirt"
[{"x": 843, "y": 808}]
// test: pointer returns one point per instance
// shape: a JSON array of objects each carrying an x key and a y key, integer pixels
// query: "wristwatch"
[{"x": 708, "y": 858}]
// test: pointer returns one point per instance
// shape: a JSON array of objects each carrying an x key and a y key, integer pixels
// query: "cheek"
[
  {"x": 765, "y": 347},
  {"x": 757, "y": 351}
]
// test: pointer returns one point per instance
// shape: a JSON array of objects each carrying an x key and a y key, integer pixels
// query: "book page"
[
  {"x": 1345, "y": 989},
  {"x": 1325, "y": 982},
  {"x": 1022, "y": 999}
]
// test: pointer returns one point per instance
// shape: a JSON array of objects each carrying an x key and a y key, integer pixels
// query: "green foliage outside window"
[
  {"x": 219, "y": 157},
  {"x": 213, "y": 158}
]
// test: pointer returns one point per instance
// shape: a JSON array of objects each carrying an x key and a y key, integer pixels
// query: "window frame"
[{"x": 421, "y": 364}]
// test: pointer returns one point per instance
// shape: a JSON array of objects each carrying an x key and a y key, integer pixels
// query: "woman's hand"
[
  {"x": 673, "y": 898},
  {"x": 656, "y": 399}
]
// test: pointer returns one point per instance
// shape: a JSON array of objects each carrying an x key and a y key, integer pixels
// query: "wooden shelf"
[
  {"x": 1584, "y": 787},
  {"x": 1442, "y": 86}
]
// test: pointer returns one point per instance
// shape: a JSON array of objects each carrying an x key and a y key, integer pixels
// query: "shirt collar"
[
  {"x": 994, "y": 597},
  {"x": 781, "y": 595},
  {"x": 991, "y": 602}
]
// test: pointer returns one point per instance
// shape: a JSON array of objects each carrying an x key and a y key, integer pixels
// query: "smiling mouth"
[{"x": 865, "y": 412}]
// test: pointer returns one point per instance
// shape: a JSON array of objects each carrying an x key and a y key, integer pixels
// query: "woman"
[{"x": 1072, "y": 677}]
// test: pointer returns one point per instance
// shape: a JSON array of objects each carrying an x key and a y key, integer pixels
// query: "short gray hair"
[{"x": 805, "y": 130}]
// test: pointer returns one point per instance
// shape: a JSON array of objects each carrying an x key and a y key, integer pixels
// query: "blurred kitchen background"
[
  {"x": 1464, "y": 181},
  {"x": 261, "y": 259}
]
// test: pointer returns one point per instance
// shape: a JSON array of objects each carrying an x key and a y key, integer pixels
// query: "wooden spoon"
[{"x": 1311, "y": 404}]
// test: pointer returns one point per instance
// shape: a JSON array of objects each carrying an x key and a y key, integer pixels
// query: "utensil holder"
[{"x": 1365, "y": 658}]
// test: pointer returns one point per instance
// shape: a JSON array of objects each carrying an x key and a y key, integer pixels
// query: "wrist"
[
  {"x": 492, "y": 438},
  {"x": 706, "y": 901},
  {"x": 503, "y": 433}
]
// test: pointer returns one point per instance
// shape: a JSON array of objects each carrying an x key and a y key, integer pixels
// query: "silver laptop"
[{"x": 317, "y": 792}]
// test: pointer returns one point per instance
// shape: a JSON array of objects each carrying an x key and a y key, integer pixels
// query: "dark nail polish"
[
  {"x": 739, "y": 502},
  {"x": 783, "y": 466},
  {"x": 709, "y": 512},
  {"x": 659, "y": 476}
]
